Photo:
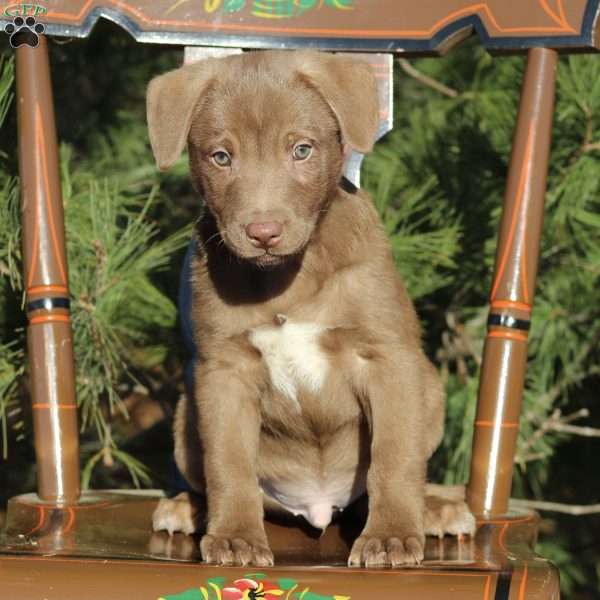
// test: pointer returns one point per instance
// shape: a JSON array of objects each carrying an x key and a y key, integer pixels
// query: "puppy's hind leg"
[
  {"x": 446, "y": 511},
  {"x": 186, "y": 511}
]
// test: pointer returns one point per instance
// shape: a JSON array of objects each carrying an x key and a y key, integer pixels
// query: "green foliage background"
[{"x": 437, "y": 181}]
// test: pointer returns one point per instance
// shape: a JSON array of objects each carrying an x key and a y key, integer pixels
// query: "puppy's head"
[{"x": 267, "y": 133}]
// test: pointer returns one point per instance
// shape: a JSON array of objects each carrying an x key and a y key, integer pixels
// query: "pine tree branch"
[
  {"x": 589, "y": 147},
  {"x": 567, "y": 509},
  {"x": 575, "y": 430},
  {"x": 555, "y": 392},
  {"x": 554, "y": 422},
  {"x": 426, "y": 80}
]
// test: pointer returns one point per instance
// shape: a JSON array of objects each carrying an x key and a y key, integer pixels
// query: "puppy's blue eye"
[
  {"x": 221, "y": 159},
  {"x": 302, "y": 151}
]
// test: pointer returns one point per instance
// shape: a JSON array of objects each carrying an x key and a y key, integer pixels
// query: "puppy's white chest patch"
[{"x": 293, "y": 356}]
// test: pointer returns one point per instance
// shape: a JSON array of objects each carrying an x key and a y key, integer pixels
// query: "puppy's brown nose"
[{"x": 264, "y": 235}]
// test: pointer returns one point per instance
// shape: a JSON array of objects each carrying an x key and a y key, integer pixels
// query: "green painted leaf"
[
  {"x": 311, "y": 596},
  {"x": 218, "y": 581},
  {"x": 187, "y": 595},
  {"x": 286, "y": 584}
]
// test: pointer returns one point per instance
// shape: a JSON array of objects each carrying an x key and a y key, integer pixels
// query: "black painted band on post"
[
  {"x": 48, "y": 303},
  {"x": 497, "y": 320}
]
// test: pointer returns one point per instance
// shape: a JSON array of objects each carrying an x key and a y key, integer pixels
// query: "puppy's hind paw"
[
  {"x": 445, "y": 516},
  {"x": 175, "y": 514}
]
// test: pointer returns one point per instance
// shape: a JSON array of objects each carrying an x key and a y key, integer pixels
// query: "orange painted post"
[
  {"x": 505, "y": 353},
  {"x": 46, "y": 279}
]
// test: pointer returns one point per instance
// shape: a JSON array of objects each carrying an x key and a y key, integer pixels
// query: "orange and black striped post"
[
  {"x": 46, "y": 278},
  {"x": 505, "y": 352}
]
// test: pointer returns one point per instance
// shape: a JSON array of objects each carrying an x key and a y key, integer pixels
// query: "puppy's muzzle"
[{"x": 264, "y": 235}]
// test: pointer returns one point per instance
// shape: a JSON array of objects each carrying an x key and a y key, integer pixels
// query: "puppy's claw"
[
  {"x": 236, "y": 551},
  {"x": 409, "y": 552},
  {"x": 376, "y": 552}
]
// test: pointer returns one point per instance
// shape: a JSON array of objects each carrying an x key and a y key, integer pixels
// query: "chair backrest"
[
  {"x": 538, "y": 27},
  {"x": 353, "y": 25}
]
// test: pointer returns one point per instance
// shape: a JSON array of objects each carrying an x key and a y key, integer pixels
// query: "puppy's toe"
[
  {"x": 395, "y": 551},
  {"x": 448, "y": 517},
  {"x": 373, "y": 554},
  {"x": 242, "y": 551},
  {"x": 404, "y": 552},
  {"x": 216, "y": 550},
  {"x": 239, "y": 551},
  {"x": 175, "y": 514}
]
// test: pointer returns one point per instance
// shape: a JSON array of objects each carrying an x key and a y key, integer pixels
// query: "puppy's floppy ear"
[
  {"x": 350, "y": 88},
  {"x": 170, "y": 102}
]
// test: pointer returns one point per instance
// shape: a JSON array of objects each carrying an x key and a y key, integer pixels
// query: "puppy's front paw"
[
  {"x": 448, "y": 517},
  {"x": 236, "y": 550},
  {"x": 386, "y": 551},
  {"x": 175, "y": 514}
]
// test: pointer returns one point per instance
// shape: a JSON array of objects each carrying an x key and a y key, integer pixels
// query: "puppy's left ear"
[{"x": 350, "y": 88}]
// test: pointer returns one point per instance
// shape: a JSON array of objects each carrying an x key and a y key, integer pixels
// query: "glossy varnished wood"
[
  {"x": 376, "y": 25},
  {"x": 505, "y": 353},
  {"x": 46, "y": 277},
  {"x": 105, "y": 549}
]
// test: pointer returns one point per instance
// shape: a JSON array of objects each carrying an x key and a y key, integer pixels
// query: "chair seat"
[{"x": 104, "y": 548}]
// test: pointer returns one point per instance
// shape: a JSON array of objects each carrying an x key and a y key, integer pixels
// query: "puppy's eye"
[
  {"x": 302, "y": 151},
  {"x": 221, "y": 159}
]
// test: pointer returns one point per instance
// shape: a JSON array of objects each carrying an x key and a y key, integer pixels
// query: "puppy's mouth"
[
  {"x": 270, "y": 260},
  {"x": 266, "y": 258}
]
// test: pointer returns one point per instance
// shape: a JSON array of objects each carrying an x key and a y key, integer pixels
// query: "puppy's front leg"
[
  {"x": 393, "y": 397},
  {"x": 230, "y": 428}
]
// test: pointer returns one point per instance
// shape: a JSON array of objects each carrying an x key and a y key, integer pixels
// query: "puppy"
[{"x": 312, "y": 387}]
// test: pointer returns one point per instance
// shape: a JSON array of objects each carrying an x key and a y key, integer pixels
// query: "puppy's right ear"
[{"x": 170, "y": 102}]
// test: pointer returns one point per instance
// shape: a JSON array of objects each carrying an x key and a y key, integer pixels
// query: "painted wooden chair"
[{"x": 61, "y": 544}]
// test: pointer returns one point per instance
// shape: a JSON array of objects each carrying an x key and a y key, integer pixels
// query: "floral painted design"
[
  {"x": 251, "y": 587},
  {"x": 282, "y": 9},
  {"x": 267, "y": 9}
]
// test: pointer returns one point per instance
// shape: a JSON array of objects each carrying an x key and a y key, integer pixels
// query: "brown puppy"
[{"x": 312, "y": 386}]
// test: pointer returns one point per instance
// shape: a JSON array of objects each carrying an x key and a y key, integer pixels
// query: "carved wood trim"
[{"x": 389, "y": 25}]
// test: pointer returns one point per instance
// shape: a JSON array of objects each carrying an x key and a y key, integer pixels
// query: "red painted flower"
[{"x": 248, "y": 589}]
